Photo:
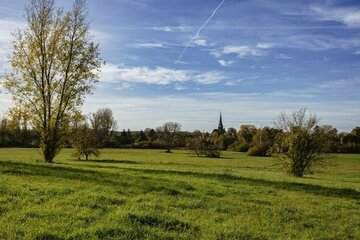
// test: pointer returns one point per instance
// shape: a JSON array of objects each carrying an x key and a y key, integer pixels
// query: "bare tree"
[
  {"x": 54, "y": 65},
  {"x": 168, "y": 133}
]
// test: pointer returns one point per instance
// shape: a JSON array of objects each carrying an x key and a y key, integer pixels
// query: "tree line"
[{"x": 15, "y": 131}]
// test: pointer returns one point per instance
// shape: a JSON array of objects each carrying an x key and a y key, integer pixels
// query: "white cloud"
[
  {"x": 100, "y": 36},
  {"x": 124, "y": 85},
  {"x": 265, "y": 45},
  {"x": 357, "y": 52},
  {"x": 216, "y": 53},
  {"x": 179, "y": 87},
  {"x": 148, "y": 45},
  {"x": 347, "y": 16},
  {"x": 6, "y": 29},
  {"x": 173, "y": 28},
  {"x": 283, "y": 56},
  {"x": 243, "y": 51},
  {"x": 320, "y": 42},
  {"x": 225, "y": 63},
  {"x": 237, "y": 82},
  {"x": 209, "y": 77},
  {"x": 230, "y": 83},
  {"x": 201, "y": 42},
  {"x": 158, "y": 75}
]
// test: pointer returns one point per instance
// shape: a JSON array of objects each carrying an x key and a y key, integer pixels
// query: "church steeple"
[{"x": 221, "y": 128}]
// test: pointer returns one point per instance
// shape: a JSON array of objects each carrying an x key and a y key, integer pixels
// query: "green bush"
[{"x": 257, "y": 151}]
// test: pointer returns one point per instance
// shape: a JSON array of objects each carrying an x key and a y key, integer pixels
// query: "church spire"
[{"x": 221, "y": 128}]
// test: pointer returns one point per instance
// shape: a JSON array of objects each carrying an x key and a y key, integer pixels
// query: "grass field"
[{"x": 137, "y": 194}]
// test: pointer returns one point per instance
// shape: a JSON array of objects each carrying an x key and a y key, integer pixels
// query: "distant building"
[{"x": 220, "y": 129}]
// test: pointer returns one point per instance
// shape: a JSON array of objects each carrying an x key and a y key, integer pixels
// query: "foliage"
[
  {"x": 141, "y": 137},
  {"x": 246, "y": 133},
  {"x": 168, "y": 133},
  {"x": 263, "y": 141},
  {"x": 15, "y": 131},
  {"x": 103, "y": 125},
  {"x": 85, "y": 142},
  {"x": 299, "y": 147},
  {"x": 54, "y": 64},
  {"x": 350, "y": 143},
  {"x": 330, "y": 137},
  {"x": 204, "y": 145},
  {"x": 150, "y": 134},
  {"x": 245, "y": 137}
]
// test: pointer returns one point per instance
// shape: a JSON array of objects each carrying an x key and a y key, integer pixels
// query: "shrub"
[
  {"x": 257, "y": 151},
  {"x": 299, "y": 147},
  {"x": 204, "y": 146}
]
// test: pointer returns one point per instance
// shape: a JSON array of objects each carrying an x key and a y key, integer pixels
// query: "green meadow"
[{"x": 148, "y": 194}]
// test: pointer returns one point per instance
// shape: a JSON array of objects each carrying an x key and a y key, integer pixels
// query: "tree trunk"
[
  {"x": 49, "y": 151},
  {"x": 50, "y": 147}
]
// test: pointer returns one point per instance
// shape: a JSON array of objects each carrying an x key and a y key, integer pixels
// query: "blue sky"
[{"x": 249, "y": 59}]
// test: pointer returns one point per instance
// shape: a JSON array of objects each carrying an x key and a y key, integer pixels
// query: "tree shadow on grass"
[
  {"x": 15, "y": 168},
  {"x": 108, "y": 161},
  {"x": 55, "y": 170},
  {"x": 289, "y": 186}
]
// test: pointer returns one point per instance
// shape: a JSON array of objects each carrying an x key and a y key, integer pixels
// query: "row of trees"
[{"x": 15, "y": 131}]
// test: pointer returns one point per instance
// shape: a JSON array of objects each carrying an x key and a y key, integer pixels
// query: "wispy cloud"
[
  {"x": 122, "y": 86},
  {"x": 347, "y": 16},
  {"x": 148, "y": 45},
  {"x": 101, "y": 36},
  {"x": 6, "y": 29},
  {"x": 179, "y": 87},
  {"x": 209, "y": 77},
  {"x": 193, "y": 111},
  {"x": 225, "y": 63},
  {"x": 173, "y": 28},
  {"x": 320, "y": 42},
  {"x": 263, "y": 45},
  {"x": 201, "y": 42},
  {"x": 243, "y": 51},
  {"x": 283, "y": 56},
  {"x": 198, "y": 31},
  {"x": 159, "y": 75}
]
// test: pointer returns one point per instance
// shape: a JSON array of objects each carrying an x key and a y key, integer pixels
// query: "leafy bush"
[
  {"x": 244, "y": 147},
  {"x": 299, "y": 147},
  {"x": 257, "y": 151},
  {"x": 204, "y": 146}
]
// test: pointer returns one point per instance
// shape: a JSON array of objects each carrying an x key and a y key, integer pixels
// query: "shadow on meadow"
[
  {"x": 59, "y": 171},
  {"x": 54, "y": 170},
  {"x": 290, "y": 186},
  {"x": 109, "y": 161}
]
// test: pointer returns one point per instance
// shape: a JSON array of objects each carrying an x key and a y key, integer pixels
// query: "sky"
[{"x": 187, "y": 60}]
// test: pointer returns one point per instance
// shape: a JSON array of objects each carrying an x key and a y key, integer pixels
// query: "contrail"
[{"x": 198, "y": 31}]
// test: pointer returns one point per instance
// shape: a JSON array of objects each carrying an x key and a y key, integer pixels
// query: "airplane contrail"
[{"x": 198, "y": 31}]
